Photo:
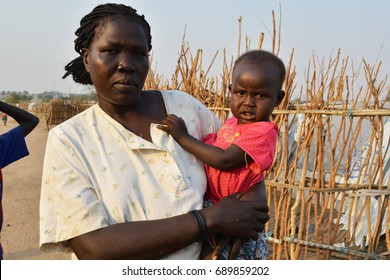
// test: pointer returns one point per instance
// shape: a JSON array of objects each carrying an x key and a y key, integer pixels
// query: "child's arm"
[
  {"x": 26, "y": 120},
  {"x": 216, "y": 157},
  {"x": 257, "y": 192}
]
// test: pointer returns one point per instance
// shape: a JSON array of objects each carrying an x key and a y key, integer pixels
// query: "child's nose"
[{"x": 249, "y": 100}]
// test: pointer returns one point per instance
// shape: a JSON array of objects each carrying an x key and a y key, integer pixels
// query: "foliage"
[
  {"x": 18, "y": 97},
  {"x": 13, "y": 97}
]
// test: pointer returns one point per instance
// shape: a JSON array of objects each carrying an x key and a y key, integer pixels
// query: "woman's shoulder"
[
  {"x": 181, "y": 100},
  {"x": 175, "y": 93},
  {"x": 168, "y": 94}
]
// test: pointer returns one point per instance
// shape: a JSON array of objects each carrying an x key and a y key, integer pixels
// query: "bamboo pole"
[{"x": 342, "y": 250}]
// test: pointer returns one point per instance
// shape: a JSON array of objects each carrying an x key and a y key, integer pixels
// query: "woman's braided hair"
[{"x": 86, "y": 32}]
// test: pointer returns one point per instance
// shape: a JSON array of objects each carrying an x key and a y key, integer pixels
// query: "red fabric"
[{"x": 258, "y": 140}]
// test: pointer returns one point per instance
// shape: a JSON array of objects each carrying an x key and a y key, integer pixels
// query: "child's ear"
[{"x": 280, "y": 97}]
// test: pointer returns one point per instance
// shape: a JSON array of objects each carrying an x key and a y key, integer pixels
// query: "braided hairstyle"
[
  {"x": 259, "y": 56},
  {"x": 86, "y": 32}
]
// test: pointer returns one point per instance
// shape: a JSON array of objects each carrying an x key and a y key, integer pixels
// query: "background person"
[
  {"x": 4, "y": 118},
  {"x": 13, "y": 145}
]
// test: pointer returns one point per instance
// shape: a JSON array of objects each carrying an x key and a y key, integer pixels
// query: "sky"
[{"x": 37, "y": 37}]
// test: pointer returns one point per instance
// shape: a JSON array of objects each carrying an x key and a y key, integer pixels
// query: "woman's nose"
[{"x": 126, "y": 64}]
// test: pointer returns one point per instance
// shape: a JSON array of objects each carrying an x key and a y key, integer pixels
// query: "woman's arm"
[
  {"x": 231, "y": 158},
  {"x": 158, "y": 238},
  {"x": 137, "y": 240},
  {"x": 26, "y": 120}
]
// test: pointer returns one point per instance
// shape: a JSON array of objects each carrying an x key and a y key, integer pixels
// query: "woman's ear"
[
  {"x": 85, "y": 54},
  {"x": 280, "y": 97}
]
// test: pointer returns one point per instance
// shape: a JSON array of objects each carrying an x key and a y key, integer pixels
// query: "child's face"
[{"x": 255, "y": 92}]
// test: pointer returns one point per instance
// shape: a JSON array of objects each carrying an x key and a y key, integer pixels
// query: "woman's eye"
[
  {"x": 110, "y": 51},
  {"x": 143, "y": 54}
]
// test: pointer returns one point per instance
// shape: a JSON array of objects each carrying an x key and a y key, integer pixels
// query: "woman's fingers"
[
  {"x": 263, "y": 217},
  {"x": 243, "y": 219}
]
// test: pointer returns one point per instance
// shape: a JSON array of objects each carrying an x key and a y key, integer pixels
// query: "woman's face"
[{"x": 117, "y": 61}]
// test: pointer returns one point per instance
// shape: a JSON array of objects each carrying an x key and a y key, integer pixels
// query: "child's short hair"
[{"x": 259, "y": 56}]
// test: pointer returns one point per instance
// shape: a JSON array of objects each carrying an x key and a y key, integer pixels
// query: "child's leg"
[
  {"x": 208, "y": 248},
  {"x": 207, "y": 251}
]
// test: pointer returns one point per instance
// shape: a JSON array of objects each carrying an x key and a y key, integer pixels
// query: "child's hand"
[{"x": 174, "y": 125}]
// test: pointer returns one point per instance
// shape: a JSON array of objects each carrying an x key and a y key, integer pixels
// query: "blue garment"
[{"x": 12, "y": 148}]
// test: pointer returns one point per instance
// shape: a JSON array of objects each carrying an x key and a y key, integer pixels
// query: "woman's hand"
[
  {"x": 256, "y": 193},
  {"x": 239, "y": 215}
]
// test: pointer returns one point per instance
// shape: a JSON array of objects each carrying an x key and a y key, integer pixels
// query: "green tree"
[
  {"x": 18, "y": 97},
  {"x": 46, "y": 96}
]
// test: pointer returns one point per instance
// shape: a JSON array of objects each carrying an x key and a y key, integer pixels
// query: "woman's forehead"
[
  {"x": 120, "y": 28},
  {"x": 114, "y": 22}
]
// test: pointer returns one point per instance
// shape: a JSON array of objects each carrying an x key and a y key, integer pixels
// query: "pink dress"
[{"x": 258, "y": 140}]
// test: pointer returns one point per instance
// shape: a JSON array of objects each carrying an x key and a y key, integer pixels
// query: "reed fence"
[{"x": 57, "y": 111}]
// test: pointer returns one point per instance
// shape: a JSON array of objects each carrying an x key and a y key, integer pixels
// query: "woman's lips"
[{"x": 124, "y": 84}]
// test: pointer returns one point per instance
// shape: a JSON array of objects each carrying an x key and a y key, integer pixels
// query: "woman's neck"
[{"x": 137, "y": 117}]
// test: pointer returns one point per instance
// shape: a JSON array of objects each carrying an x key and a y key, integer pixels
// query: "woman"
[{"x": 114, "y": 186}]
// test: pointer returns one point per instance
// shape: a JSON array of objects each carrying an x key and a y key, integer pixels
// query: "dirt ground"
[{"x": 21, "y": 192}]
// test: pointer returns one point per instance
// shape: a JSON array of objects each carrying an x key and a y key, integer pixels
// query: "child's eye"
[
  {"x": 240, "y": 93},
  {"x": 260, "y": 95}
]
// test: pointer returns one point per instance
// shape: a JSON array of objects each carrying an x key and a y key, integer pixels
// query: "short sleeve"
[
  {"x": 259, "y": 143},
  {"x": 209, "y": 123},
  {"x": 202, "y": 120},
  {"x": 12, "y": 146},
  {"x": 69, "y": 205}
]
